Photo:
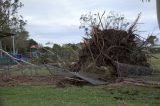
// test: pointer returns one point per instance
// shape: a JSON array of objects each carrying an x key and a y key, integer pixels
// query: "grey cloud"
[{"x": 58, "y": 20}]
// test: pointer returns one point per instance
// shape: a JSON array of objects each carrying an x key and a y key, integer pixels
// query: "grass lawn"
[
  {"x": 155, "y": 62},
  {"x": 47, "y": 95},
  {"x": 79, "y": 96}
]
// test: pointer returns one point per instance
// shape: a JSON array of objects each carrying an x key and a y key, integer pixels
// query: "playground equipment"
[{"x": 34, "y": 51}]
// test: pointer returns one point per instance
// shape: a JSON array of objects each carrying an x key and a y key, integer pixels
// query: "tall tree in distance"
[{"x": 12, "y": 22}]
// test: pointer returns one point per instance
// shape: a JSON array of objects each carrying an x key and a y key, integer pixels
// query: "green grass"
[
  {"x": 155, "y": 62},
  {"x": 79, "y": 96},
  {"x": 31, "y": 71}
]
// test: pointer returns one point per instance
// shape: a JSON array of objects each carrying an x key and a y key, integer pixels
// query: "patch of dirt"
[{"x": 28, "y": 80}]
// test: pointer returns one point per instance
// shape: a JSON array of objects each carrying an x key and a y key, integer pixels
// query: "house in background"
[{"x": 34, "y": 51}]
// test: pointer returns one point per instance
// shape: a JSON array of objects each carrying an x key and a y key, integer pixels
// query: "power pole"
[
  {"x": 13, "y": 44},
  {"x": 158, "y": 11},
  {"x": 0, "y": 48}
]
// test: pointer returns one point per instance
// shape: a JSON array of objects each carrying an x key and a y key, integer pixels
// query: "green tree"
[
  {"x": 73, "y": 46},
  {"x": 11, "y": 21},
  {"x": 31, "y": 42},
  {"x": 56, "y": 48}
]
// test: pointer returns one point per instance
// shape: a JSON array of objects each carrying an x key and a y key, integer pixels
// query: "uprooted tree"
[{"x": 111, "y": 40}]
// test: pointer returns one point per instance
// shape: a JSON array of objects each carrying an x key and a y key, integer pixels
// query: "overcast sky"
[{"x": 57, "y": 21}]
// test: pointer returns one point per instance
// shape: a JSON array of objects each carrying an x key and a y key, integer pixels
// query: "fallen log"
[
  {"x": 83, "y": 77},
  {"x": 128, "y": 70},
  {"x": 90, "y": 80}
]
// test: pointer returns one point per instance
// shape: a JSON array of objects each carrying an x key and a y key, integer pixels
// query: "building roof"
[
  {"x": 34, "y": 46},
  {"x": 5, "y": 34}
]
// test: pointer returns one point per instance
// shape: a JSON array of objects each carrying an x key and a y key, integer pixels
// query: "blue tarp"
[{"x": 6, "y": 61}]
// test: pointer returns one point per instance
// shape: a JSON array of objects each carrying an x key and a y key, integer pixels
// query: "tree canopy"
[{"x": 12, "y": 22}]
